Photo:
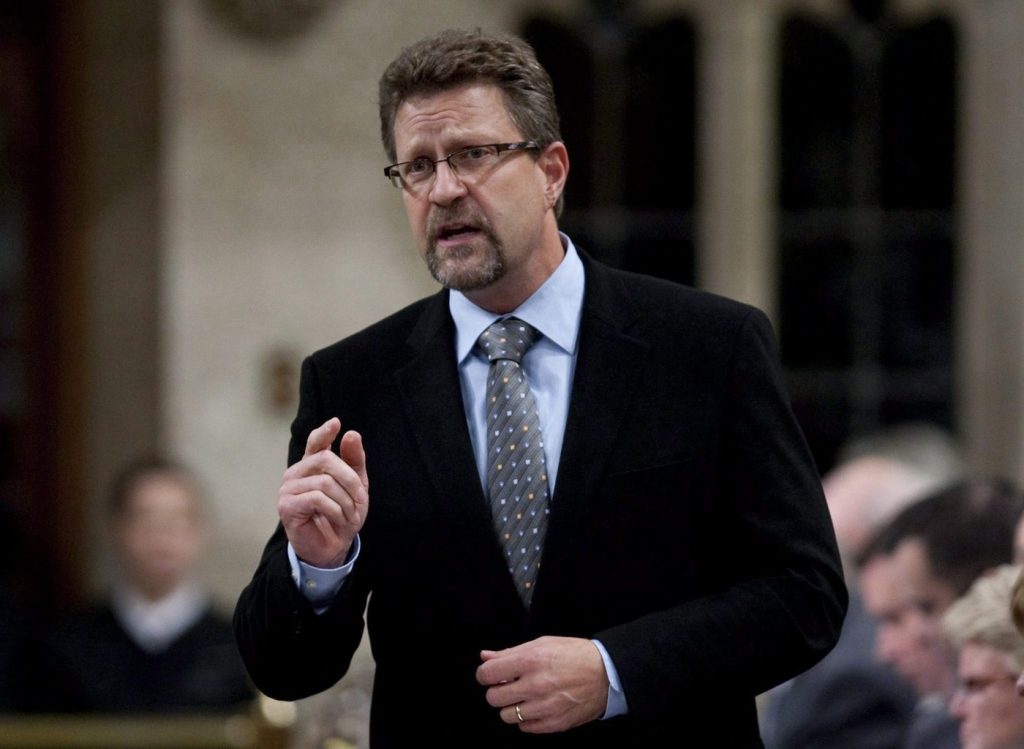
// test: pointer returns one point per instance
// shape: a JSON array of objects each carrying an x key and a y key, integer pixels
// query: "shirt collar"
[
  {"x": 554, "y": 309},
  {"x": 154, "y": 625}
]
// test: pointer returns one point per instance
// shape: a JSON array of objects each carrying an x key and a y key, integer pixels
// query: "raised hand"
[{"x": 324, "y": 497}]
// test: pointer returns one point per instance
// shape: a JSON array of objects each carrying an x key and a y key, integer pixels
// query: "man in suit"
[{"x": 685, "y": 561}]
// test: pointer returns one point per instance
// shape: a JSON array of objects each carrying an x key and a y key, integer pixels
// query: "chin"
[{"x": 460, "y": 270}]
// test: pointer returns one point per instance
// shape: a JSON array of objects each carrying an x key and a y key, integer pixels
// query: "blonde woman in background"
[
  {"x": 1017, "y": 612},
  {"x": 991, "y": 658}
]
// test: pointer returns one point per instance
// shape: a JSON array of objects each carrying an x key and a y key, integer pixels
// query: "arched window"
[
  {"x": 625, "y": 90},
  {"x": 866, "y": 190}
]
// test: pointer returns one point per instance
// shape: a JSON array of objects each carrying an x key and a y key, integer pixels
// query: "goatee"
[{"x": 464, "y": 267}]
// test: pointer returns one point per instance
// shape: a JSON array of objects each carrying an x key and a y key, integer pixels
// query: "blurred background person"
[
  {"x": 991, "y": 657},
  {"x": 914, "y": 569},
  {"x": 155, "y": 644},
  {"x": 849, "y": 700},
  {"x": 1017, "y": 615}
]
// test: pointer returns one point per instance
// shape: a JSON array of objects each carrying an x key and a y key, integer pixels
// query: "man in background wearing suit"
[{"x": 576, "y": 498}]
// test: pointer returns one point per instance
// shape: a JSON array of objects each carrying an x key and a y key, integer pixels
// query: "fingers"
[
  {"x": 322, "y": 437},
  {"x": 323, "y": 498},
  {"x": 348, "y": 469},
  {"x": 352, "y": 452},
  {"x": 338, "y": 494},
  {"x": 528, "y": 717},
  {"x": 498, "y": 667},
  {"x": 556, "y": 682}
]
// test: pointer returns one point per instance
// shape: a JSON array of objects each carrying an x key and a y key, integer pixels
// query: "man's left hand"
[{"x": 557, "y": 683}]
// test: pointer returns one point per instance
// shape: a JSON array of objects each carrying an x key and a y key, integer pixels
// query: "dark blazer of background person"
[
  {"x": 688, "y": 532},
  {"x": 91, "y": 664},
  {"x": 847, "y": 701}
]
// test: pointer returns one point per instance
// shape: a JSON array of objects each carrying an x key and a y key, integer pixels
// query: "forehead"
[
  {"x": 453, "y": 117},
  {"x": 978, "y": 660},
  {"x": 881, "y": 585},
  {"x": 160, "y": 491},
  {"x": 912, "y": 557}
]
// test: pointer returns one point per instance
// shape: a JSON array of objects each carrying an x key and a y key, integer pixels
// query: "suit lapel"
[
  {"x": 432, "y": 398},
  {"x": 603, "y": 384}
]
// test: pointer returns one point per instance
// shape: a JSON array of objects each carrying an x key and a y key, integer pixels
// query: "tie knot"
[{"x": 506, "y": 339}]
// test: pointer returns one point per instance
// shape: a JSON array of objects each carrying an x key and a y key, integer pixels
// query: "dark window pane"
[
  {"x": 823, "y": 410},
  {"x": 815, "y": 302},
  {"x": 817, "y": 117},
  {"x": 918, "y": 117},
  {"x": 917, "y": 301},
  {"x": 626, "y": 98},
  {"x": 565, "y": 56},
  {"x": 867, "y": 256},
  {"x": 936, "y": 408},
  {"x": 660, "y": 117}
]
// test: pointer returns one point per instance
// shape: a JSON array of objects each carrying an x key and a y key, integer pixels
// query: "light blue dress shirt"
[{"x": 554, "y": 310}]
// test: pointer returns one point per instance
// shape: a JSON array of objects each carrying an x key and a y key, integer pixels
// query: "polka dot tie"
[{"x": 517, "y": 479}]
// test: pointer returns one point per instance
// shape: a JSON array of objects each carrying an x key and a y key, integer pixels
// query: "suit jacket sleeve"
[
  {"x": 289, "y": 650},
  {"x": 780, "y": 599}
]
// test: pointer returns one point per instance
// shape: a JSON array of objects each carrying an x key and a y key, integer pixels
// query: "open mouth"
[{"x": 454, "y": 233}]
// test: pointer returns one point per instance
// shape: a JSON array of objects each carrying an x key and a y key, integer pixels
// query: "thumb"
[
  {"x": 351, "y": 451},
  {"x": 322, "y": 437}
]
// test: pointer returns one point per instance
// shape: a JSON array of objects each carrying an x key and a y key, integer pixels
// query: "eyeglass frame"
[{"x": 395, "y": 178}]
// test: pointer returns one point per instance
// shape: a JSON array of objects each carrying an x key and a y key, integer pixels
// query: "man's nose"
[
  {"x": 1020, "y": 684},
  {"x": 446, "y": 187},
  {"x": 883, "y": 650},
  {"x": 956, "y": 705}
]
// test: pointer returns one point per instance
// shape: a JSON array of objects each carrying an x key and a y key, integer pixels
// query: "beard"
[{"x": 476, "y": 264}]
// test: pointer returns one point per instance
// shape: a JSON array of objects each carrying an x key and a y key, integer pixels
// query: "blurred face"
[
  {"x": 906, "y": 639},
  {"x": 489, "y": 235},
  {"x": 159, "y": 534},
  {"x": 986, "y": 703},
  {"x": 929, "y": 594},
  {"x": 930, "y": 597}
]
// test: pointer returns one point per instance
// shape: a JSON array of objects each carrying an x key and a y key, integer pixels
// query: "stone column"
[
  {"x": 990, "y": 335},
  {"x": 736, "y": 146}
]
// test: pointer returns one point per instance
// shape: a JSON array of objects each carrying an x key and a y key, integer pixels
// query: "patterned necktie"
[{"x": 517, "y": 479}]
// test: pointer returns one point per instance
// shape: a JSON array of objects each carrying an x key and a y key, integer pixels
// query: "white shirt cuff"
[
  {"x": 317, "y": 584},
  {"x": 616, "y": 704}
]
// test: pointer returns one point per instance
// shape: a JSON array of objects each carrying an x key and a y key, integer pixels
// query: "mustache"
[{"x": 447, "y": 215}]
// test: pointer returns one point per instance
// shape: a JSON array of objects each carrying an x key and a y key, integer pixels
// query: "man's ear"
[{"x": 554, "y": 163}]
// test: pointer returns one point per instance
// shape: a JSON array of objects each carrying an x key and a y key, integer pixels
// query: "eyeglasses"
[{"x": 466, "y": 163}]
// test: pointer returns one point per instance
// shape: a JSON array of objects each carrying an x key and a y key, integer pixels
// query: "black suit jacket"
[{"x": 688, "y": 531}]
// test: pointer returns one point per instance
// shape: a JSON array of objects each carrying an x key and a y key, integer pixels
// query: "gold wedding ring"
[{"x": 519, "y": 713}]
